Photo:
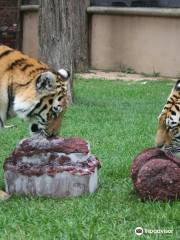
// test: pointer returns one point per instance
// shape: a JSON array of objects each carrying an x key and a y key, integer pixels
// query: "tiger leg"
[
  {"x": 4, "y": 196},
  {"x": 4, "y": 111},
  {"x": 5, "y": 126},
  {"x": 1, "y": 123},
  {"x": 2, "y": 117},
  {"x": 3, "y": 105}
]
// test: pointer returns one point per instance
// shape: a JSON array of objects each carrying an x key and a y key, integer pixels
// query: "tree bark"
[
  {"x": 81, "y": 35},
  {"x": 63, "y": 35},
  {"x": 19, "y": 26}
]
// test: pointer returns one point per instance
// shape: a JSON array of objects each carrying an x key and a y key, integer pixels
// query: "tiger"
[
  {"x": 33, "y": 91},
  {"x": 168, "y": 132}
]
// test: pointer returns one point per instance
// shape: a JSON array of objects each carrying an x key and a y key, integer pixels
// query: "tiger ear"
[
  {"x": 65, "y": 74},
  {"x": 46, "y": 81},
  {"x": 177, "y": 86}
]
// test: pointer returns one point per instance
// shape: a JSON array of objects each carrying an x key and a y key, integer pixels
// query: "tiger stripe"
[
  {"x": 10, "y": 99},
  {"x": 23, "y": 84},
  {"x": 18, "y": 62},
  {"x": 5, "y": 53},
  {"x": 32, "y": 90},
  {"x": 168, "y": 132},
  {"x": 37, "y": 70},
  {"x": 26, "y": 67},
  {"x": 38, "y": 105}
]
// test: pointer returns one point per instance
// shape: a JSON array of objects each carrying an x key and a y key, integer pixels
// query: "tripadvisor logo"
[{"x": 139, "y": 231}]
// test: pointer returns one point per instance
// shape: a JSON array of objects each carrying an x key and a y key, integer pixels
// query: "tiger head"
[
  {"x": 168, "y": 132},
  {"x": 43, "y": 101}
]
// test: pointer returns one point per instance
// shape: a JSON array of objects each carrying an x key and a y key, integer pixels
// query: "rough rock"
[
  {"x": 156, "y": 175},
  {"x": 54, "y": 167}
]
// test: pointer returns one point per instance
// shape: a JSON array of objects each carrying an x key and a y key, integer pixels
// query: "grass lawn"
[{"x": 119, "y": 119}]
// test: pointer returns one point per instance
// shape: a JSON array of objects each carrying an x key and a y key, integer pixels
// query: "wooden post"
[
  {"x": 63, "y": 35},
  {"x": 19, "y": 27},
  {"x": 81, "y": 35}
]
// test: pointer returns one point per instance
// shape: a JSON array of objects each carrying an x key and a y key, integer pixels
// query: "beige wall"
[
  {"x": 30, "y": 43},
  {"x": 144, "y": 43}
]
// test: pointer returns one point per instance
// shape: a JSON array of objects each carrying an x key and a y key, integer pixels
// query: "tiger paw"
[{"x": 4, "y": 196}]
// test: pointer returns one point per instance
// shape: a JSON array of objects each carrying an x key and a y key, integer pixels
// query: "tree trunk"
[
  {"x": 81, "y": 36},
  {"x": 63, "y": 35},
  {"x": 19, "y": 26}
]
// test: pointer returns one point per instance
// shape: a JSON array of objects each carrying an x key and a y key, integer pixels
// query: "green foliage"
[
  {"x": 119, "y": 120},
  {"x": 154, "y": 74},
  {"x": 128, "y": 70}
]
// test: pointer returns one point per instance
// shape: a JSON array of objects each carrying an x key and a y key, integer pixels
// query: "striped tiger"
[
  {"x": 168, "y": 133},
  {"x": 31, "y": 90}
]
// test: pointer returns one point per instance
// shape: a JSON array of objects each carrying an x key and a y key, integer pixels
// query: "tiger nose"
[
  {"x": 57, "y": 109},
  {"x": 34, "y": 128}
]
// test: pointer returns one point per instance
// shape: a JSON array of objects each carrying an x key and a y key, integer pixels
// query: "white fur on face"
[
  {"x": 57, "y": 106},
  {"x": 173, "y": 120},
  {"x": 22, "y": 108}
]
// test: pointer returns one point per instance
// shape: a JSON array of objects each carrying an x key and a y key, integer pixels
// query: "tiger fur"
[
  {"x": 31, "y": 90},
  {"x": 168, "y": 132}
]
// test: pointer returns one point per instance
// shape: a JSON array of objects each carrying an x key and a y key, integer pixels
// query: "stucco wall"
[
  {"x": 145, "y": 43},
  {"x": 144, "y": 40}
]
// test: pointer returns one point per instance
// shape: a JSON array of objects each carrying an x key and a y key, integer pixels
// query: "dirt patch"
[{"x": 97, "y": 74}]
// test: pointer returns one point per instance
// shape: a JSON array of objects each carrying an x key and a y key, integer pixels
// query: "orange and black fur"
[
  {"x": 168, "y": 133},
  {"x": 32, "y": 90}
]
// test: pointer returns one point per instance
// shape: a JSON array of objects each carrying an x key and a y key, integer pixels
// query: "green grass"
[{"x": 119, "y": 120}]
